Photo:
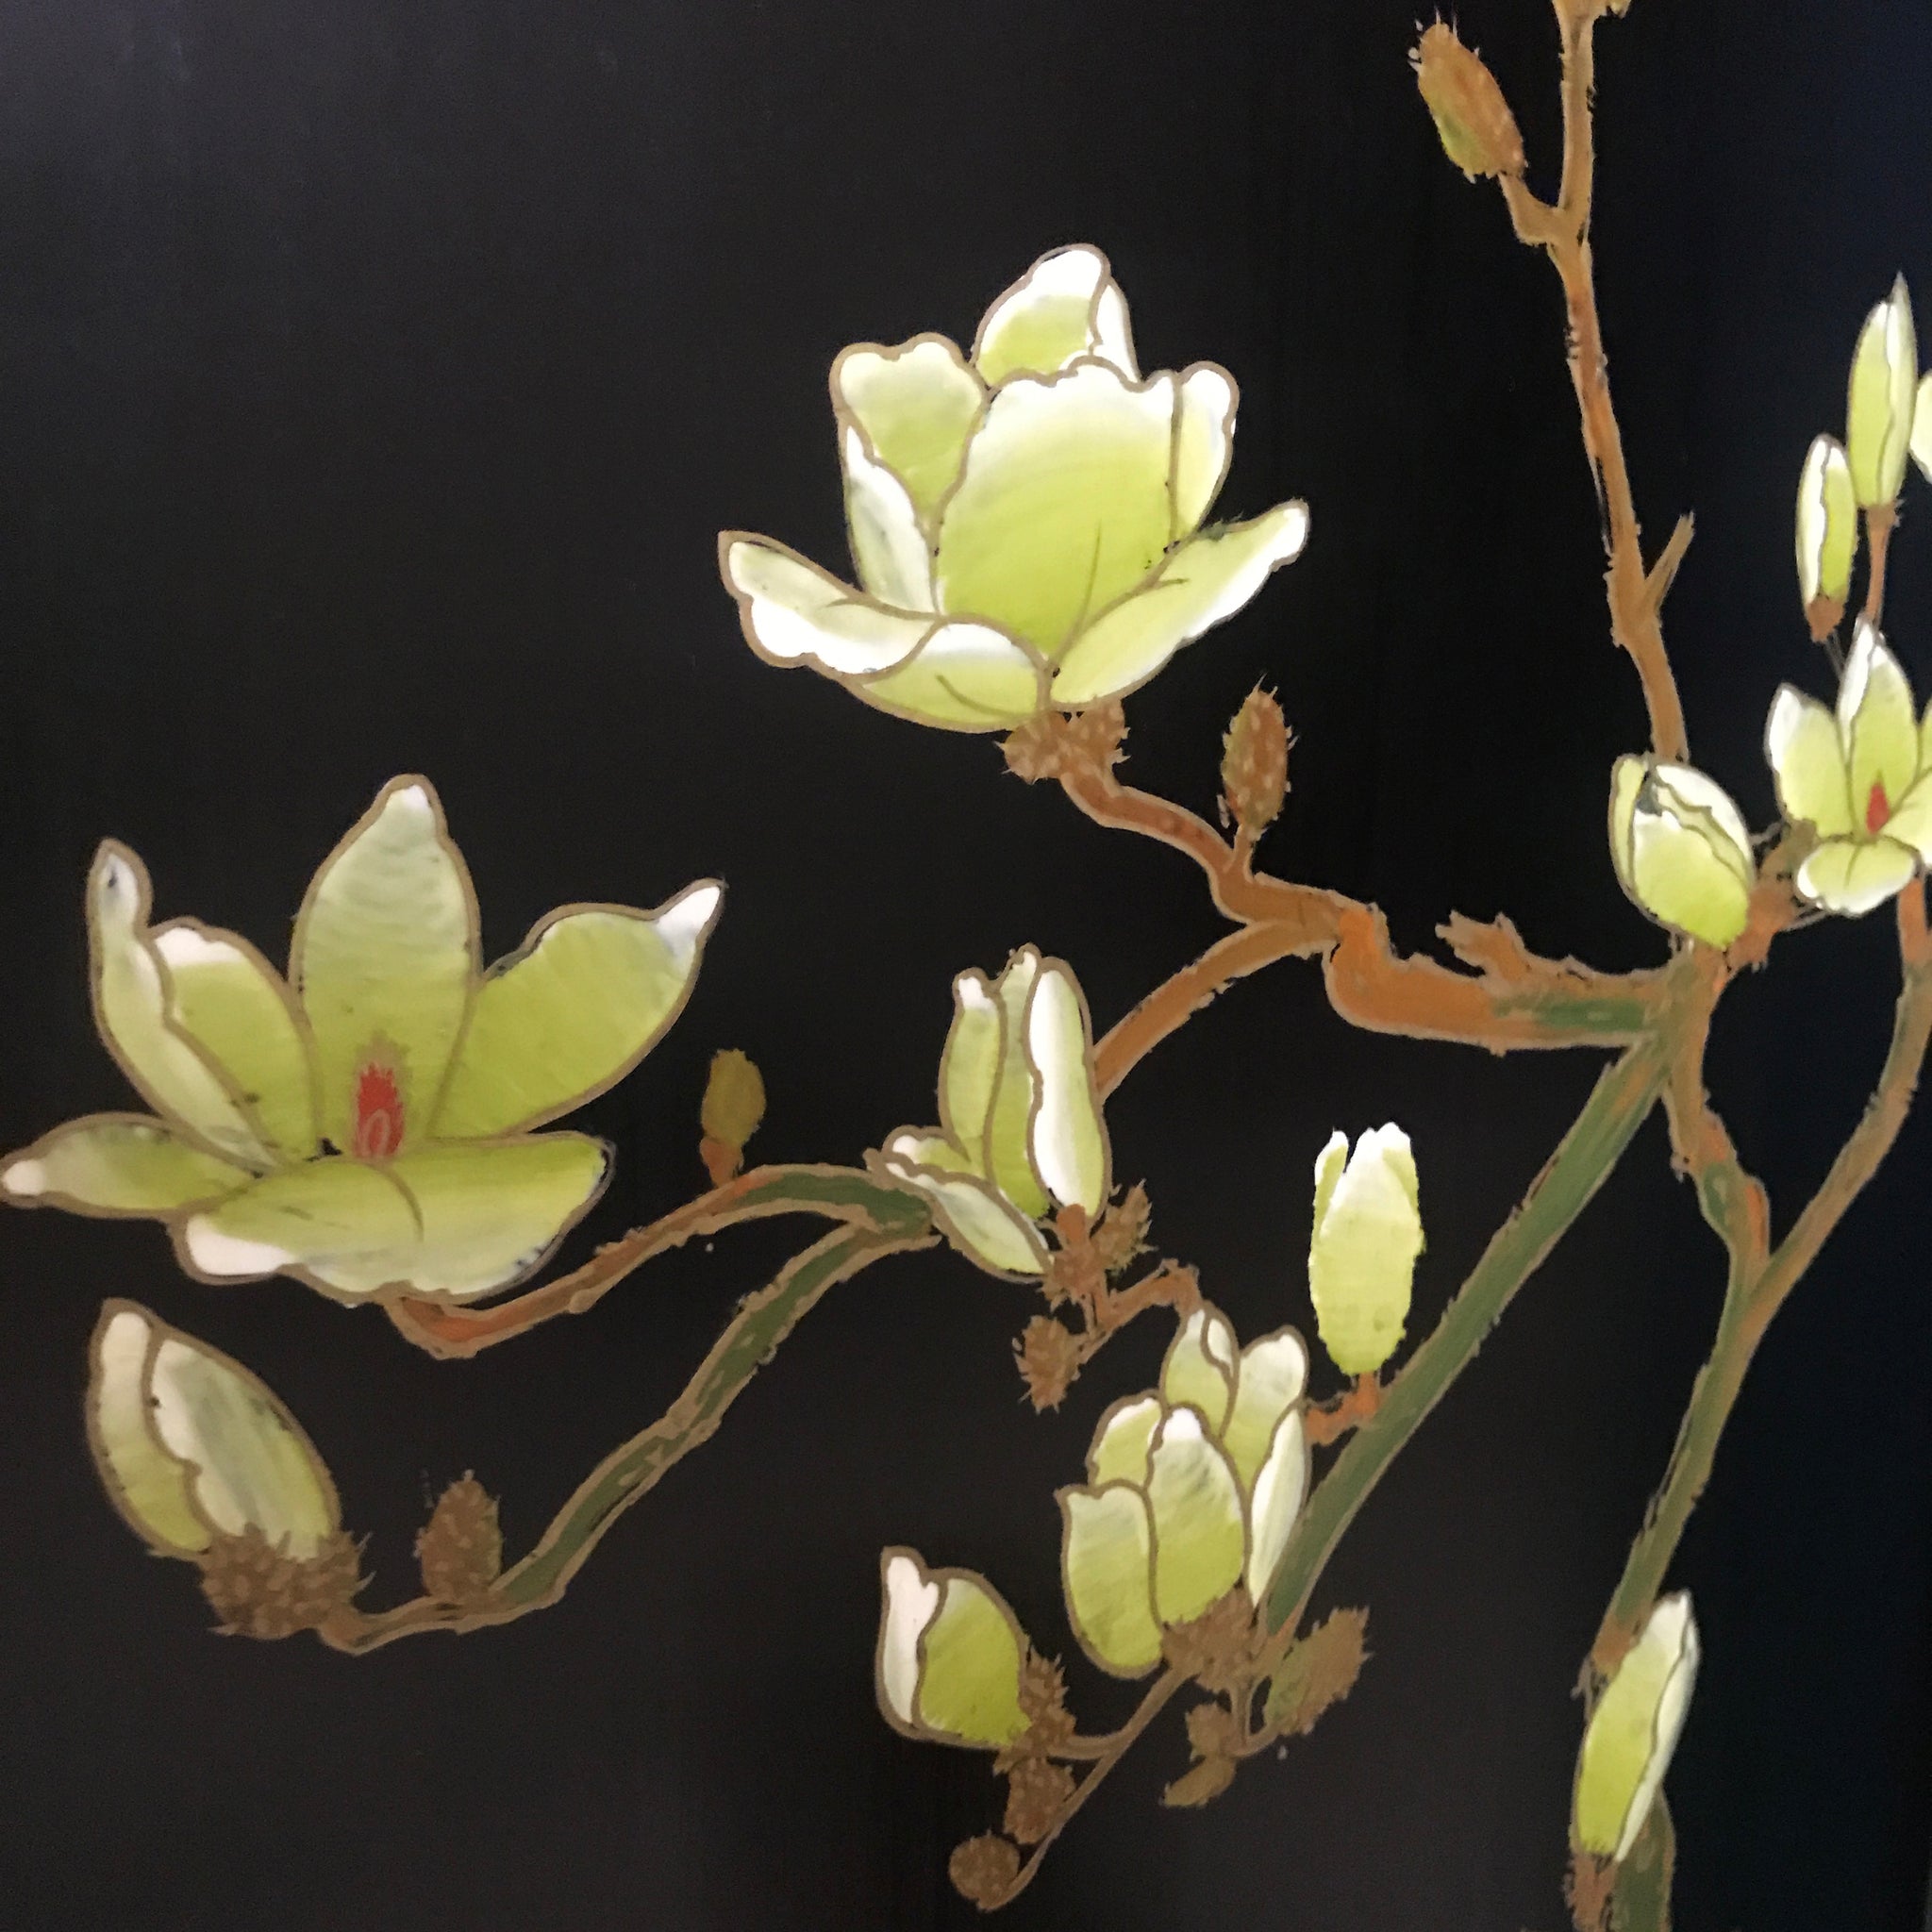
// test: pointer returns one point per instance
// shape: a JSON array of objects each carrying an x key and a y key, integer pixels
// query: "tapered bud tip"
[
  {"x": 1881, "y": 400},
  {"x": 1254, "y": 763},
  {"x": 1828, "y": 535},
  {"x": 1477, "y": 130}
]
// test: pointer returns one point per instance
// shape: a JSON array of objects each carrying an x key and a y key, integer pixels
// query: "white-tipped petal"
[
  {"x": 1270, "y": 1379},
  {"x": 1200, "y": 1542},
  {"x": 1853, "y": 876},
  {"x": 1363, "y": 1252},
  {"x": 889, "y": 547},
  {"x": 1123, "y": 1439},
  {"x": 1807, "y": 757},
  {"x": 1203, "y": 411},
  {"x": 1882, "y": 399},
  {"x": 1281, "y": 1485},
  {"x": 1068, "y": 1131},
  {"x": 1633, "y": 1732},
  {"x": 1200, "y": 1366},
  {"x": 1107, "y": 1549},
  {"x": 1065, "y": 305},
  {"x": 910, "y": 1601},
  {"x": 917, "y": 403}
]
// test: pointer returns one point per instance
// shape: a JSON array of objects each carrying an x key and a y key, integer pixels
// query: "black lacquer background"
[{"x": 373, "y": 381}]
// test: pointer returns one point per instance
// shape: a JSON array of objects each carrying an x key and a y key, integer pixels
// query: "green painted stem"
[{"x": 1623, "y": 1096}]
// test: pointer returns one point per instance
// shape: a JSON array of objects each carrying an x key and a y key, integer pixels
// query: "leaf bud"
[
  {"x": 460, "y": 1549},
  {"x": 734, "y": 1105},
  {"x": 1254, "y": 763},
  {"x": 1477, "y": 130}
]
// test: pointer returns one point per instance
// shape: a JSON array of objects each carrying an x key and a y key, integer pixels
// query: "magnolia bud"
[
  {"x": 1477, "y": 129},
  {"x": 1254, "y": 763},
  {"x": 734, "y": 1104},
  {"x": 1361, "y": 1255},
  {"x": 1633, "y": 1731},
  {"x": 1921, "y": 427},
  {"x": 949, "y": 1656},
  {"x": 1882, "y": 399},
  {"x": 1681, "y": 849},
  {"x": 460, "y": 1549},
  {"x": 1828, "y": 535}
]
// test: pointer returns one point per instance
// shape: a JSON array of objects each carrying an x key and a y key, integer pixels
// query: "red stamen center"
[
  {"x": 1877, "y": 808},
  {"x": 378, "y": 1112}
]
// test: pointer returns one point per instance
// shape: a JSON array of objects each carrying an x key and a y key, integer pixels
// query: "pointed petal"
[
  {"x": 1009, "y": 1158},
  {"x": 1852, "y": 875},
  {"x": 1272, "y": 1377},
  {"x": 239, "y": 1010},
  {"x": 1626, "y": 780},
  {"x": 1062, "y": 504},
  {"x": 1828, "y": 525},
  {"x": 1199, "y": 1537},
  {"x": 909, "y": 1600},
  {"x": 454, "y": 1220},
  {"x": 573, "y": 1010},
  {"x": 146, "y": 1483},
  {"x": 793, "y": 612},
  {"x": 1066, "y": 305},
  {"x": 969, "y": 1068},
  {"x": 1281, "y": 1485},
  {"x": 1107, "y": 1571},
  {"x": 1205, "y": 402},
  {"x": 916, "y": 404},
  {"x": 132, "y": 1008},
  {"x": 963, "y": 678},
  {"x": 1120, "y": 1443},
  {"x": 1808, "y": 760},
  {"x": 1199, "y": 1369},
  {"x": 385, "y": 956},
  {"x": 970, "y": 1657},
  {"x": 1068, "y": 1133},
  {"x": 117, "y": 1163},
  {"x": 1879, "y": 722},
  {"x": 973, "y": 1218},
  {"x": 1207, "y": 579},
  {"x": 893, "y": 559}
]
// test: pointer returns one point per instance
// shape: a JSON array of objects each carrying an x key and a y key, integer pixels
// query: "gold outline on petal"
[
  {"x": 1047, "y": 963},
  {"x": 945, "y": 1576},
  {"x": 1075, "y": 1622},
  {"x": 70, "y": 1204},
  {"x": 1102, "y": 282},
  {"x": 1212, "y": 1442},
  {"x": 900, "y": 1171},
  {"x": 846, "y": 416},
  {"x": 1178, "y": 535}
]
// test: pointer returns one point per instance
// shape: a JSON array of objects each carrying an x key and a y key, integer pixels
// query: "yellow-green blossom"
[
  {"x": 1366, "y": 1233},
  {"x": 363, "y": 1126},
  {"x": 947, "y": 1666},
  {"x": 1828, "y": 534},
  {"x": 1192, "y": 1489},
  {"x": 1881, "y": 399},
  {"x": 1633, "y": 1731},
  {"x": 1681, "y": 848},
  {"x": 1025, "y": 522},
  {"x": 1862, "y": 779}
]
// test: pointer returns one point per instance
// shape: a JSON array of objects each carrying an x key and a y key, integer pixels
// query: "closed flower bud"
[
  {"x": 460, "y": 1549},
  {"x": 1367, "y": 1233},
  {"x": 1681, "y": 849},
  {"x": 1254, "y": 763},
  {"x": 197, "y": 1451},
  {"x": 1633, "y": 1731},
  {"x": 734, "y": 1105},
  {"x": 1882, "y": 399},
  {"x": 1921, "y": 427},
  {"x": 1477, "y": 129},
  {"x": 949, "y": 1657},
  {"x": 1828, "y": 535}
]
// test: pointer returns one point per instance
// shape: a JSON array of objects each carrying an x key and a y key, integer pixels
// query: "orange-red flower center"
[
  {"x": 378, "y": 1112},
  {"x": 1877, "y": 808}
]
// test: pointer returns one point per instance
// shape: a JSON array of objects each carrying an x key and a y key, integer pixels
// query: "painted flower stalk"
[
  {"x": 365, "y": 1126},
  {"x": 1026, "y": 522}
]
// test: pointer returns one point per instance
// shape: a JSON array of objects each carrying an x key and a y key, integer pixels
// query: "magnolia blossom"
[
  {"x": 1681, "y": 848},
  {"x": 1634, "y": 1730},
  {"x": 1828, "y": 534},
  {"x": 1025, "y": 522},
  {"x": 1192, "y": 1489},
  {"x": 1882, "y": 398},
  {"x": 947, "y": 1666},
  {"x": 1021, "y": 1128},
  {"x": 1859, "y": 778},
  {"x": 191, "y": 1446},
  {"x": 365, "y": 1125},
  {"x": 1368, "y": 1231}
]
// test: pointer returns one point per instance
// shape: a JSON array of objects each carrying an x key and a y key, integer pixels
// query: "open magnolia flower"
[
  {"x": 1681, "y": 848},
  {"x": 1021, "y": 1126},
  {"x": 386, "y": 1045},
  {"x": 950, "y": 1651},
  {"x": 1191, "y": 1490},
  {"x": 1862, "y": 779},
  {"x": 1025, "y": 524}
]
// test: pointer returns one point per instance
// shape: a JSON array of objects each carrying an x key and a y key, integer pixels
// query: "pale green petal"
[
  {"x": 1827, "y": 523},
  {"x": 1068, "y": 1132},
  {"x": 573, "y": 1010},
  {"x": 147, "y": 1485},
  {"x": 931, "y": 1150},
  {"x": 889, "y": 547},
  {"x": 1066, "y": 305},
  {"x": 454, "y": 1221},
  {"x": 385, "y": 956},
  {"x": 228, "y": 999},
  {"x": 1921, "y": 427},
  {"x": 1806, "y": 754},
  {"x": 1107, "y": 1571},
  {"x": 1123, "y": 1439},
  {"x": 963, "y": 678},
  {"x": 1281, "y": 1485},
  {"x": 969, "y": 1068},
  {"x": 1634, "y": 1730},
  {"x": 793, "y": 612},
  {"x": 972, "y": 1216},
  {"x": 909, "y": 1600},
  {"x": 1270, "y": 1379},
  {"x": 132, "y": 1003},
  {"x": 1880, "y": 724},
  {"x": 1330, "y": 1165},
  {"x": 1205, "y": 580},
  {"x": 1687, "y": 878},
  {"x": 1200, "y": 1366},
  {"x": 1199, "y": 1539},
  {"x": 1062, "y": 504},
  {"x": 252, "y": 1467},
  {"x": 1910, "y": 823},
  {"x": 1626, "y": 780},
  {"x": 916, "y": 404},
  {"x": 1010, "y": 1162},
  {"x": 1852, "y": 875},
  {"x": 1362, "y": 1253},
  {"x": 117, "y": 1163},
  {"x": 1692, "y": 795},
  {"x": 969, "y": 1679},
  {"x": 1881, "y": 399},
  {"x": 1205, "y": 401}
]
